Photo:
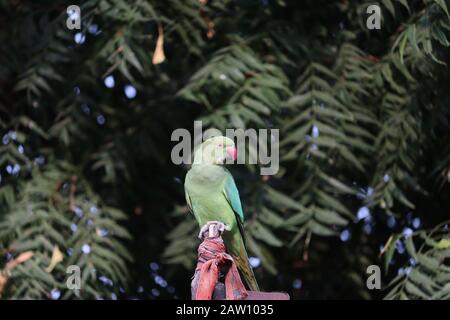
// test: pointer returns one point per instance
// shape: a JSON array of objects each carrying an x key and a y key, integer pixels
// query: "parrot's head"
[{"x": 216, "y": 150}]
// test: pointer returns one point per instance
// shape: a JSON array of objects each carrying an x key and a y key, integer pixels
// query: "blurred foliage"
[
  {"x": 428, "y": 276},
  {"x": 86, "y": 119}
]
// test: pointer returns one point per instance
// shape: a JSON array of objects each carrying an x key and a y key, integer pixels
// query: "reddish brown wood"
[
  {"x": 219, "y": 294},
  {"x": 219, "y": 290}
]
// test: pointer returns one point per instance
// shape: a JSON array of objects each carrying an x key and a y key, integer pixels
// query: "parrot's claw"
[{"x": 209, "y": 227}]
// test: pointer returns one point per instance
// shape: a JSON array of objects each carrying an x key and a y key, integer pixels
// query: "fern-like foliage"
[
  {"x": 238, "y": 87},
  {"x": 363, "y": 122},
  {"x": 395, "y": 143},
  {"x": 427, "y": 273},
  {"x": 57, "y": 211},
  {"x": 315, "y": 141}
]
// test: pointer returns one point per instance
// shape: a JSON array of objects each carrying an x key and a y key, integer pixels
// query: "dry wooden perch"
[{"x": 214, "y": 264}]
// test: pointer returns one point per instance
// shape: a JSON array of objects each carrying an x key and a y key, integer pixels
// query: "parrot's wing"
[{"x": 232, "y": 194}]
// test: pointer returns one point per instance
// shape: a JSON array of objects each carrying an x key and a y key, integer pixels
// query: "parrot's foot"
[{"x": 213, "y": 228}]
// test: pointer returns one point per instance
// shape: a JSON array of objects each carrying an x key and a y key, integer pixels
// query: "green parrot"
[{"x": 212, "y": 195}]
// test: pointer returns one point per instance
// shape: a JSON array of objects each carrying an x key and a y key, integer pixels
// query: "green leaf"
[
  {"x": 297, "y": 219},
  {"x": 443, "y": 244},
  {"x": 402, "y": 47},
  {"x": 389, "y": 250},
  {"x": 415, "y": 290},
  {"x": 282, "y": 200},
  {"x": 410, "y": 247},
  {"x": 443, "y": 5},
  {"x": 337, "y": 184},
  {"x": 264, "y": 234},
  {"x": 389, "y": 5},
  {"x": 320, "y": 229},
  {"x": 329, "y": 217}
]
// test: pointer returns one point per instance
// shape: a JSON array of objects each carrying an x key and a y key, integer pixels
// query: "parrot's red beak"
[{"x": 232, "y": 152}]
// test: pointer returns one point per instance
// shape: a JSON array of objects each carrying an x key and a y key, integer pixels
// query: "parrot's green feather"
[
  {"x": 245, "y": 268},
  {"x": 232, "y": 195},
  {"x": 212, "y": 195}
]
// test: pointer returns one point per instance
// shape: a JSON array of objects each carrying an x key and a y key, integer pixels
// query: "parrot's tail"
[{"x": 246, "y": 270}]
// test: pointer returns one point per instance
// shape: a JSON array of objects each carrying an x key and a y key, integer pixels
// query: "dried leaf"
[
  {"x": 57, "y": 257},
  {"x": 20, "y": 259},
  {"x": 158, "y": 55},
  {"x": 5, "y": 273}
]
